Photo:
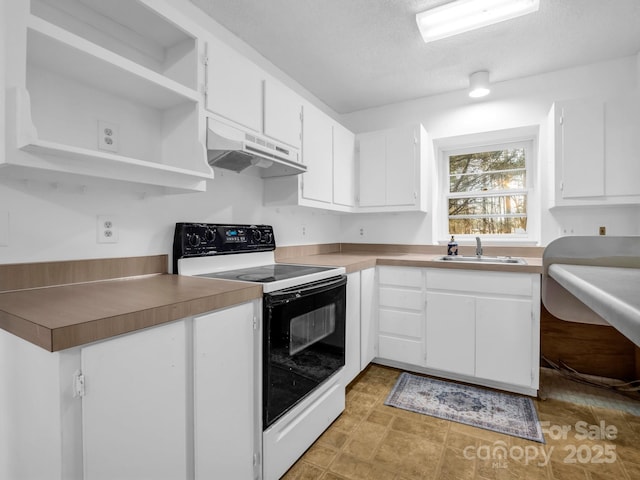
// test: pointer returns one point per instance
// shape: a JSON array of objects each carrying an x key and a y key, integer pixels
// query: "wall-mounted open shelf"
[{"x": 141, "y": 79}]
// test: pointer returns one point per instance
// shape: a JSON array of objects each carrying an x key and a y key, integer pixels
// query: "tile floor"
[{"x": 373, "y": 441}]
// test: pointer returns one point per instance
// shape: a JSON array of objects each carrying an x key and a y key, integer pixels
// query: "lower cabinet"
[
  {"x": 179, "y": 400},
  {"x": 471, "y": 325},
  {"x": 359, "y": 326}
]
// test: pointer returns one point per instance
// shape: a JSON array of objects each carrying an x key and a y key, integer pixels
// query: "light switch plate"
[{"x": 4, "y": 229}]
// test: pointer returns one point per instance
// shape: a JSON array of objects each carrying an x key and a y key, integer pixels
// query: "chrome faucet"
[{"x": 478, "y": 247}]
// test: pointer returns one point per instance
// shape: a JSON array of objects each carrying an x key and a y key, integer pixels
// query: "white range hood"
[{"x": 230, "y": 148}]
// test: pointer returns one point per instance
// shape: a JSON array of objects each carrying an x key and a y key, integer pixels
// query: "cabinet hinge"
[
  {"x": 256, "y": 459},
  {"x": 78, "y": 384},
  {"x": 561, "y": 186},
  {"x": 533, "y": 375},
  {"x": 561, "y": 120},
  {"x": 255, "y": 323}
]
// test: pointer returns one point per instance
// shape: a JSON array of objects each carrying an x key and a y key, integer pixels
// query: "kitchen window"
[{"x": 487, "y": 190}]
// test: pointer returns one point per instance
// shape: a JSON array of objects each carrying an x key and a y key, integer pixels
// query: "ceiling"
[{"x": 357, "y": 54}]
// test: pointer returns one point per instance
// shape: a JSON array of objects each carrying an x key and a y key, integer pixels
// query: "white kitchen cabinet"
[
  {"x": 401, "y": 319},
  {"x": 504, "y": 346},
  {"x": 343, "y": 166},
  {"x": 234, "y": 86},
  {"x": 328, "y": 153},
  {"x": 134, "y": 412},
  {"x": 282, "y": 113},
  {"x": 317, "y": 155},
  {"x": 177, "y": 400},
  {"x": 85, "y": 101},
  {"x": 595, "y": 145},
  {"x": 451, "y": 333},
  {"x": 485, "y": 326},
  {"x": 227, "y": 404},
  {"x": 368, "y": 317},
  {"x": 392, "y": 169},
  {"x": 352, "y": 329}
]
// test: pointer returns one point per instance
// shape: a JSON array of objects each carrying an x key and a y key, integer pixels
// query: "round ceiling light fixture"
[{"x": 479, "y": 84}]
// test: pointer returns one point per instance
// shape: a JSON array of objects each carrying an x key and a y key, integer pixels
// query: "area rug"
[{"x": 500, "y": 412}]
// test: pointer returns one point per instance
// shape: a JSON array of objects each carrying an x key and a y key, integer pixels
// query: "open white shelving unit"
[{"x": 118, "y": 62}]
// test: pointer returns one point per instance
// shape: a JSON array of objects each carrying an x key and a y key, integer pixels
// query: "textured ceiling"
[{"x": 356, "y": 54}]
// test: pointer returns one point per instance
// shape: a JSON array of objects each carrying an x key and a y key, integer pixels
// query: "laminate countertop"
[
  {"x": 58, "y": 317},
  {"x": 611, "y": 292},
  {"x": 65, "y": 316}
]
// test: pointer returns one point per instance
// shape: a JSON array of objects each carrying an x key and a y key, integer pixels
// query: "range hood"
[{"x": 233, "y": 149}]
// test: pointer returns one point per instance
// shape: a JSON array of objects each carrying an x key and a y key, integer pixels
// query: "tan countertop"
[
  {"x": 65, "y": 316},
  {"x": 91, "y": 308},
  {"x": 354, "y": 262}
]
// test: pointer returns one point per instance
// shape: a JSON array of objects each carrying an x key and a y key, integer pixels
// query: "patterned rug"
[{"x": 500, "y": 412}]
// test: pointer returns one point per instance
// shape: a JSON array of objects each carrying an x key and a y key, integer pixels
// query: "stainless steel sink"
[{"x": 481, "y": 259}]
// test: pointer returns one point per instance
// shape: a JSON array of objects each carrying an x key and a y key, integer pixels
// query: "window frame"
[{"x": 516, "y": 138}]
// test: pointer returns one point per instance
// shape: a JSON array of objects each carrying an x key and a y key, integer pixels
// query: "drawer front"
[
  {"x": 401, "y": 350},
  {"x": 401, "y": 276},
  {"x": 480, "y": 282},
  {"x": 400, "y": 298},
  {"x": 407, "y": 324}
]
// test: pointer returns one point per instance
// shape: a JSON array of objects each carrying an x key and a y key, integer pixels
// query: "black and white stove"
[
  {"x": 239, "y": 252},
  {"x": 303, "y": 331}
]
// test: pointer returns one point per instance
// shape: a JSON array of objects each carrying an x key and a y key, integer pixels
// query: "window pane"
[
  {"x": 478, "y": 182},
  {"x": 478, "y": 162},
  {"x": 492, "y": 205},
  {"x": 492, "y": 225}
]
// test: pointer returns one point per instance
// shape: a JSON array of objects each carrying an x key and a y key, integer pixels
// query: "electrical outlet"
[
  {"x": 361, "y": 231},
  {"x": 304, "y": 230},
  {"x": 108, "y": 136},
  {"x": 107, "y": 229},
  {"x": 602, "y": 230}
]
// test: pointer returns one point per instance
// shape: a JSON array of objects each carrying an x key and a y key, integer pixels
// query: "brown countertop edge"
[{"x": 61, "y": 317}]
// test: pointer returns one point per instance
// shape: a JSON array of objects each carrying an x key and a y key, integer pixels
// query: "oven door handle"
[{"x": 294, "y": 293}]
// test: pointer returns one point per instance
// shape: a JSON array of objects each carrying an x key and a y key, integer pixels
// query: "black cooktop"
[{"x": 267, "y": 273}]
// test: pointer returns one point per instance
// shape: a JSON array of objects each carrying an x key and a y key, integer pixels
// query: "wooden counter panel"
[
  {"x": 61, "y": 317},
  {"x": 34, "y": 275}
]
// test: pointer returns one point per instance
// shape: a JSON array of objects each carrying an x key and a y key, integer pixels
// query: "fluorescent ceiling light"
[{"x": 463, "y": 15}]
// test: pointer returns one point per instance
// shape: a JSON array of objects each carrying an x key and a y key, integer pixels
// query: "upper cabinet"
[
  {"x": 240, "y": 91},
  {"x": 328, "y": 153},
  {"x": 596, "y": 149},
  {"x": 392, "y": 170},
  {"x": 104, "y": 89}
]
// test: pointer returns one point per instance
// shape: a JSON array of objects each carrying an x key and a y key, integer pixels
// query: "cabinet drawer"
[
  {"x": 481, "y": 282},
  {"x": 400, "y": 298},
  {"x": 401, "y": 276},
  {"x": 408, "y": 324},
  {"x": 401, "y": 350}
]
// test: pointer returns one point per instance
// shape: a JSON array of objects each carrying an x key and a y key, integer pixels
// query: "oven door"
[{"x": 304, "y": 342}]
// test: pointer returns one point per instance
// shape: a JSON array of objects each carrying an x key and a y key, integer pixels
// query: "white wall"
[
  {"x": 516, "y": 103},
  {"x": 58, "y": 221}
]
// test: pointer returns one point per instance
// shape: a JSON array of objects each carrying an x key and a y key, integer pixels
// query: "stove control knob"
[
  {"x": 268, "y": 237},
  {"x": 194, "y": 239},
  {"x": 257, "y": 235},
  {"x": 210, "y": 235}
]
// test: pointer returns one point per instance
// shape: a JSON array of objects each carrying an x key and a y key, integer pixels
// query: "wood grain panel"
[
  {"x": 34, "y": 275},
  {"x": 592, "y": 349},
  {"x": 282, "y": 253},
  {"x": 391, "y": 249}
]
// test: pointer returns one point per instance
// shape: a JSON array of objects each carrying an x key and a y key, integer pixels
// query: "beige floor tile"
[
  {"x": 353, "y": 468},
  {"x": 320, "y": 455},
  {"x": 409, "y": 455},
  {"x": 365, "y": 440}
]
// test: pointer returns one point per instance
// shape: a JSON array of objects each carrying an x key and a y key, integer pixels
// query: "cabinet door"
[
  {"x": 504, "y": 340},
  {"x": 282, "y": 113},
  {"x": 582, "y": 148},
  {"x": 234, "y": 86},
  {"x": 317, "y": 155},
  {"x": 372, "y": 166},
  {"x": 622, "y": 146},
  {"x": 451, "y": 331},
  {"x": 134, "y": 410},
  {"x": 343, "y": 166},
  {"x": 368, "y": 318},
  {"x": 401, "y": 171},
  {"x": 352, "y": 336},
  {"x": 226, "y": 404}
]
